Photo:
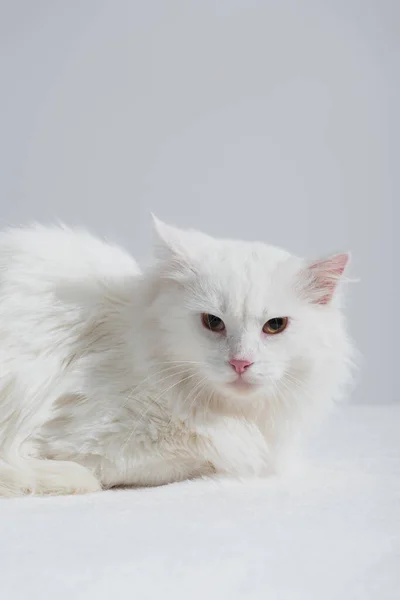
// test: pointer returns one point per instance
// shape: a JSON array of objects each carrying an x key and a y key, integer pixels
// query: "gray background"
[{"x": 273, "y": 120}]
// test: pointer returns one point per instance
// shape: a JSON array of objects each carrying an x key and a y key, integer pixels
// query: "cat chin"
[{"x": 242, "y": 389}]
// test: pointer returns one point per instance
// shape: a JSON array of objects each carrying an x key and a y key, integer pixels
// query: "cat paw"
[
  {"x": 38, "y": 477},
  {"x": 63, "y": 478}
]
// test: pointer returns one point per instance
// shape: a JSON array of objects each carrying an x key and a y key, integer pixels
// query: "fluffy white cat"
[{"x": 210, "y": 362}]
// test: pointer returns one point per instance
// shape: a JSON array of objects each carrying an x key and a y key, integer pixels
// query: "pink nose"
[{"x": 240, "y": 365}]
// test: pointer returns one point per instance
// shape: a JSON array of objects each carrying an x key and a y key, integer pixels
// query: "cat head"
[{"x": 246, "y": 318}]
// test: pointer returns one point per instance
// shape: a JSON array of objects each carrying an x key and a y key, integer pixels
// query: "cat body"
[{"x": 110, "y": 376}]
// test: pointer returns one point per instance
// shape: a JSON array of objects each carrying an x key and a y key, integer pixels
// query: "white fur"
[{"x": 109, "y": 378}]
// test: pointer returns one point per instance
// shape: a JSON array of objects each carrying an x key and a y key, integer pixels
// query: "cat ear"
[
  {"x": 323, "y": 277},
  {"x": 179, "y": 250},
  {"x": 185, "y": 245},
  {"x": 170, "y": 242}
]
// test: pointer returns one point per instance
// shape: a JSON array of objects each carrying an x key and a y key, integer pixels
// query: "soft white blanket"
[{"x": 333, "y": 535}]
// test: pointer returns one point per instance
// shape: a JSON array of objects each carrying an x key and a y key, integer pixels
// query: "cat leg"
[
  {"x": 37, "y": 477},
  {"x": 235, "y": 447}
]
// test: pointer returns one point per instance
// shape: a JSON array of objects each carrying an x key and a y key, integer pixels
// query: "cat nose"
[{"x": 240, "y": 365}]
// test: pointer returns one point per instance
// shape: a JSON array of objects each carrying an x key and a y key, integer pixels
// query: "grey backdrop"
[{"x": 273, "y": 119}]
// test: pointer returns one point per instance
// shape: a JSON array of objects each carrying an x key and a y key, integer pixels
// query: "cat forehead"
[
  {"x": 242, "y": 277},
  {"x": 250, "y": 255}
]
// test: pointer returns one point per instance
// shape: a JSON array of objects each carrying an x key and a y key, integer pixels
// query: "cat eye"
[
  {"x": 276, "y": 325},
  {"x": 212, "y": 322}
]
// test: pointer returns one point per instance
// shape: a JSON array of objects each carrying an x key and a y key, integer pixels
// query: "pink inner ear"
[{"x": 326, "y": 274}]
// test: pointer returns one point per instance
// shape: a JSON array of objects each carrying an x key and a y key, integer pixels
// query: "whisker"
[
  {"x": 297, "y": 383},
  {"x": 199, "y": 384},
  {"x": 148, "y": 408},
  {"x": 130, "y": 396},
  {"x": 179, "y": 362}
]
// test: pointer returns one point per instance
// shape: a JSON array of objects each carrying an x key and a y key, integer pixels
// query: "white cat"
[{"x": 210, "y": 362}]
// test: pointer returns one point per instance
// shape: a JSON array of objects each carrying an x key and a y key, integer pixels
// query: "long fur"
[{"x": 109, "y": 378}]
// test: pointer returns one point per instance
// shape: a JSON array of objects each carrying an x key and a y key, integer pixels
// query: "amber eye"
[
  {"x": 276, "y": 325},
  {"x": 212, "y": 322}
]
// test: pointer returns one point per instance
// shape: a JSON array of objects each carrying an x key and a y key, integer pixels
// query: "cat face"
[{"x": 246, "y": 318}]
